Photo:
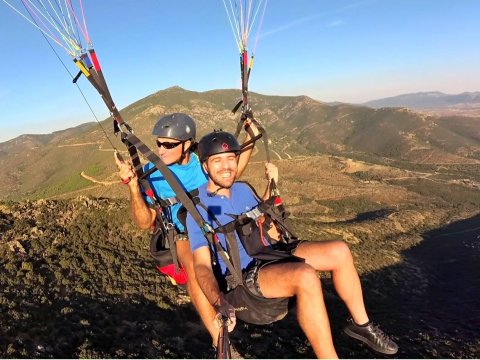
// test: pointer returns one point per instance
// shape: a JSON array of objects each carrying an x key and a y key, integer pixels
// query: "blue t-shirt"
[
  {"x": 242, "y": 199},
  {"x": 190, "y": 177}
]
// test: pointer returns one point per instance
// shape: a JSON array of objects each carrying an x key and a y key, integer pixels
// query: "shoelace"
[{"x": 380, "y": 334}]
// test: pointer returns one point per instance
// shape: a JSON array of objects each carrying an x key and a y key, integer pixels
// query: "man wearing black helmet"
[
  {"x": 267, "y": 285},
  {"x": 175, "y": 138}
]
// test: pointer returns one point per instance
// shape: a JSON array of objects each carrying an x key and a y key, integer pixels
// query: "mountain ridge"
[
  {"x": 41, "y": 165},
  {"x": 434, "y": 102}
]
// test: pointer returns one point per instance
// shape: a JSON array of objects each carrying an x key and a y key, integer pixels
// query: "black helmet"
[
  {"x": 176, "y": 126},
  {"x": 217, "y": 142}
]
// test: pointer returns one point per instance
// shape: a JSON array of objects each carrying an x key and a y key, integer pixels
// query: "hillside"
[
  {"x": 77, "y": 281},
  {"x": 401, "y": 188},
  {"x": 434, "y": 102},
  {"x": 42, "y": 166}
]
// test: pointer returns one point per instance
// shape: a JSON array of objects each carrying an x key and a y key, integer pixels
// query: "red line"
[{"x": 96, "y": 64}]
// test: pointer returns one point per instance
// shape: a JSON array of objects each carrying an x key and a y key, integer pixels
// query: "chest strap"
[{"x": 168, "y": 201}]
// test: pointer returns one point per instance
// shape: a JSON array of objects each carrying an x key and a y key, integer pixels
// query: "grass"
[
  {"x": 72, "y": 183},
  {"x": 449, "y": 193}
]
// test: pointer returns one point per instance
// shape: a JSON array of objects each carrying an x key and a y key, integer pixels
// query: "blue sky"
[{"x": 337, "y": 50}]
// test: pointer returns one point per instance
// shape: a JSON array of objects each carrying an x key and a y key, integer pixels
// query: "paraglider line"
[
  {"x": 67, "y": 70},
  {"x": 84, "y": 33},
  {"x": 33, "y": 10},
  {"x": 259, "y": 27}
]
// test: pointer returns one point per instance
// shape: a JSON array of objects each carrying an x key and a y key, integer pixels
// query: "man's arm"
[
  {"x": 143, "y": 215},
  {"x": 208, "y": 283},
  {"x": 244, "y": 158},
  {"x": 271, "y": 173},
  {"x": 202, "y": 260},
  {"x": 203, "y": 270},
  {"x": 202, "y": 263}
]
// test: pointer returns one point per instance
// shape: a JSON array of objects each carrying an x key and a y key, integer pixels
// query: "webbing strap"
[
  {"x": 247, "y": 113},
  {"x": 169, "y": 201},
  {"x": 138, "y": 168},
  {"x": 90, "y": 67},
  {"x": 171, "y": 245},
  {"x": 266, "y": 207},
  {"x": 232, "y": 245},
  {"x": 263, "y": 134}
]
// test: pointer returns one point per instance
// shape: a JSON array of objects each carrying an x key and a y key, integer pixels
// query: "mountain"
[
  {"x": 77, "y": 279},
  {"x": 467, "y": 103},
  {"x": 41, "y": 166}
]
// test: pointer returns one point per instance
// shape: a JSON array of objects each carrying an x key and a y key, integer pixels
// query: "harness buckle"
[
  {"x": 207, "y": 228},
  {"x": 170, "y": 201},
  {"x": 254, "y": 213}
]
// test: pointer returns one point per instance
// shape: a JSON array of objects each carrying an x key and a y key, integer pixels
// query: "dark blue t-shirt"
[{"x": 242, "y": 199}]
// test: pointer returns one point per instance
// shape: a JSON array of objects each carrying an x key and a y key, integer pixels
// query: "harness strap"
[
  {"x": 232, "y": 245},
  {"x": 171, "y": 244},
  {"x": 266, "y": 207},
  {"x": 233, "y": 265},
  {"x": 251, "y": 141},
  {"x": 274, "y": 208},
  {"x": 229, "y": 229},
  {"x": 248, "y": 114}
]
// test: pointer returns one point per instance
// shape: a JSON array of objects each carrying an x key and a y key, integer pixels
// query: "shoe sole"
[{"x": 369, "y": 343}]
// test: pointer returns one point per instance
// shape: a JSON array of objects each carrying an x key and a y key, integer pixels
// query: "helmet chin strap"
[
  {"x": 184, "y": 152},
  {"x": 220, "y": 187}
]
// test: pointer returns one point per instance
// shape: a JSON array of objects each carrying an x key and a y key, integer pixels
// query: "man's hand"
[
  {"x": 225, "y": 314},
  {"x": 271, "y": 172},
  {"x": 125, "y": 169},
  {"x": 251, "y": 128}
]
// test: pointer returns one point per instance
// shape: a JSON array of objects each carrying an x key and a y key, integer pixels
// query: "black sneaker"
[{"x": 371, "y": 335}]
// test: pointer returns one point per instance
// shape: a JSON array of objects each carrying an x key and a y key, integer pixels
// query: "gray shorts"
[
  {"x": 251, "y": 274},
  {"x": 250, "y": 304},
  {"x": 250, "y": 277}
]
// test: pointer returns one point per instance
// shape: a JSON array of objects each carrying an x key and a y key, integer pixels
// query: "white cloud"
[
  {"x": 305, "y": 19},
  {"x": 335, "y": 23},
  {"x": 290, "y": 25}
]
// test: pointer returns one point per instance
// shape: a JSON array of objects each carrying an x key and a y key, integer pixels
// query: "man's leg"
[
  {"x": 204, "y": 308},
  {"x": 301, "y": 280},
  {"x": 335, "y": 256}
]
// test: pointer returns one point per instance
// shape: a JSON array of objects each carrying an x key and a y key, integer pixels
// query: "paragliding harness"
[
  {"x": 164, "y": 233},
  {"x": 251, "y": 228},
  {"x": 162, "y": 242}
]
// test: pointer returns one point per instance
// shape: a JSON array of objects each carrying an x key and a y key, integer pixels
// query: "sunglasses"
[{"x": 168, "y": 145}]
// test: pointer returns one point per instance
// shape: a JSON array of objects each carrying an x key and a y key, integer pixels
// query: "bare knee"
[
  {"x": 306, "y": 278},
  {"x": 341, "y": 253}
]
